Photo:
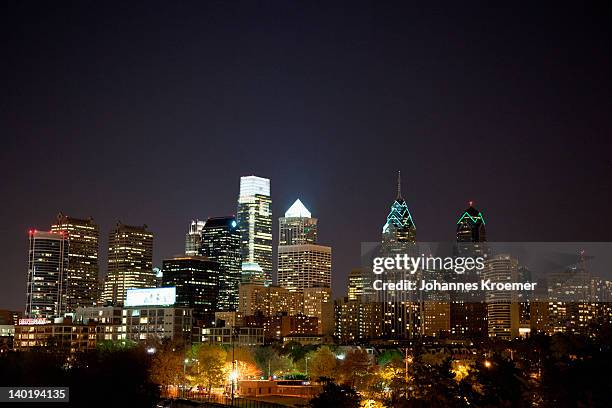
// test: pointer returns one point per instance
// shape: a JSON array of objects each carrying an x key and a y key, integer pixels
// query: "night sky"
[{"x": 150, "y": 113}]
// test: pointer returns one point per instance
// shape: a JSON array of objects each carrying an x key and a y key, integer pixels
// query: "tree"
[
  {"x": 336, "y": 396},
  {"x": 321, "y": 363},
  {"x": 166, "y": 368},
  {"x": 500, "y": 383},
  {"x": 356, "y": 369},
  {"x": 271, "y": 363},
  {"x": 210, "y": 368}
]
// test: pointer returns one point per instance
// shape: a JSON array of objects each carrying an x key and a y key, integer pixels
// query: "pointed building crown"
[
  {"x": 297, "y": 210},
  {"x": 472, "y": 215}
]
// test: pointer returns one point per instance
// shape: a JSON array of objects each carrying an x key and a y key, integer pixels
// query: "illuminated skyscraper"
[
  {"x": 82, "y": 269},
  {"x": 356, "y": 284},
  {"x": 301, "y": 262},
  {"x": 502, "y": 306},
  {"x": 399, "y": 228},
  {"x": 221, "y": 243},
  {"x": 130, "y": 262},
  {"x": 304, "y": 266},
  {"x": 196, "y": 282},
  {"x": 297, "y": 227},
  {"x": 471, "y": 232},
  {"x": 400, "y": 310},
  {"x": 468, "y": 310},
  {"x": 47, "y": 265},
  {"x": 254, "y": 219},
  {"x": 193, "y": 238}
]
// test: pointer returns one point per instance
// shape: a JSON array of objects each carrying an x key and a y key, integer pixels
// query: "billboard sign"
[{"x": 151, "y": 297}]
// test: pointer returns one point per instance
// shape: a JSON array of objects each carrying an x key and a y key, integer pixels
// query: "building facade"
[
  {"x": 401, "y": 311},
  {"x": 254, "y": 219},
  {"x": 196, "y": 279},
  {"x": 304, "y": 266},
  {"x": 130, "y": 262},
  {"x": 193, "y": 238},
  {"x": 502, "y": 305},
  {"x": 268, "y": 300},
  {"x": 468, "y": 311},
  {"x": 318, "y": 302},
  {"x": 46, "y": 292},
  {"x": 297, "y": 227},
  {"x": 221, "y": 243},
  {"x": 82, "y": 288}
]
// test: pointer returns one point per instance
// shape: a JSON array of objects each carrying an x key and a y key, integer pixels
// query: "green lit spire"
[{"x": 399, "y": 220}]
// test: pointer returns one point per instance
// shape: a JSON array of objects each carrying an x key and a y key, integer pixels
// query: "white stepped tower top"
[{"x": 297, "y": 210}]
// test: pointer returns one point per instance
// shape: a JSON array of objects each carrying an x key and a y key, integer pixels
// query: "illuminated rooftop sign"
[
  {"x": 33, "y": 321},
  {"x": 151, "y": 297}
]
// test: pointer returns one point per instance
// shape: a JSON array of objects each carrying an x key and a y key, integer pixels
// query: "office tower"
[
  {"x": 255, "y": 223},
  {"x": 302, "y": 263},
  {"x": 502, "y": 305},
  {"x": 570, "y": 294},
  {"x": 82, "y": 269},
  {"x": 47, "y": 264},
  {"x": 297, "y": 227},
  {"x": 399, "y": 228},
  {"x": 193, "y": 238},
  {"x": 318, "y": 303},
  {"x": 468, "y": 310},
  {"x": 130, "y": 262},
  {"x": 400, "y": 309},
  {"x": 221, "y": 243},
  {"x": 471, "y": 232},
  {"x": 356, "y": 284},
  {"x": 196, "y": 279},
  {"x": 304, "y": 266}
]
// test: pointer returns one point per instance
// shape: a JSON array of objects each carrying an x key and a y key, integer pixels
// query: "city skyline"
[
  {"x": 506, "y": 109},
  {"x": 339, "y": 285}
]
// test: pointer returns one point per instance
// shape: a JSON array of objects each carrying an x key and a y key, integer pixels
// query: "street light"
[
  {"x": 306, "y": 358},
  {"x": 184, "y": 376},
  {"x": 487, "y": 364}
]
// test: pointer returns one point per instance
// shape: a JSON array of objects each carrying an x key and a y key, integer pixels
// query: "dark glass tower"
[
  {"x": 471, "y": 226},
  {"x": 468, "y": 311},
  {"x": 221, "y": 243},
  {"x": 197, "y": 284}
]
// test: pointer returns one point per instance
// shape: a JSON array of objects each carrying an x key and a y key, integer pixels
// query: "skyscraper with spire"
[
  {"x": 399, "y": 227},
  {"x": 400, "y": 312}
]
